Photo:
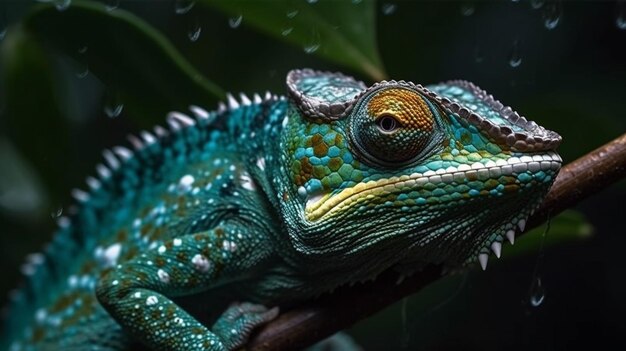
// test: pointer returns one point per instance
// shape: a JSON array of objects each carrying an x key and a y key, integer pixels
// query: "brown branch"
[{"x": 306, "y": 324}]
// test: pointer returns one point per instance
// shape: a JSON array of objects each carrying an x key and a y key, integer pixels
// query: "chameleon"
[{"x": 195, "y": 234}]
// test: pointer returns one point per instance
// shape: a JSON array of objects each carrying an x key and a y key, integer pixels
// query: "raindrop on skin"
[
  {"x": 620, "y": 19},
  {"x": 537, "y": 293},
  {"x": 181, "y": 7},
  {"x": 514, "y": 58},
  {"x": 552, "y": 14},
  {"x": 389, "y": 9},
  {"x": 235, "y": 22}
]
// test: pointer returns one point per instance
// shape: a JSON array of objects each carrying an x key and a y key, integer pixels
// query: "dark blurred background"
[{"x": 73, "y": 83}]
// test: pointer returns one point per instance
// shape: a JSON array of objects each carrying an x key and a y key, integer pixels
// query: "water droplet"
[
  {"x": 537, "y": 293},
  {"x": 62, "y": 5},
  {"x": 620, "y": 19},
  {"x": 113, "y": 105},
  {"x": 82, "y": 67},
  {"x": 478, "y": 54},
  {"x": 285, "y": 32},
  {"x": 57, "y": 212},
  {"x": 181, "y": 7},
  {"x": 309, "y": 49},
  {"x": 235, "y": 22},
  {"x": 312, "y": 1},
  {"x": 195, "y": 29},
  {"x": 112, "y": 5},
  {"x": 3, "y": 21},
  {"x": 552, "y": 14},
  {"x": 467, "y": 9},
  {"x": 292, "y": 13},
  {"x": 389, "y": 9},
  {"x": 357, "y": 1},
  {"x": 536, "y": 4},
  {"x": 314, "y": 44},
  {"x": 514, "y": 58}
]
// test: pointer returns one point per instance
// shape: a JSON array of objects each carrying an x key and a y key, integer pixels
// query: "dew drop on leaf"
[
  {"x": 514, "y": 57},
  {"x": 467, "y": 9},
  {"x": 113, "y": 105},
  {"x": 620, "y": 19},
  {"x": 235, "y": 22},
  {"x": 537, "y": 293},
  {"x": 181, "y": 7},
  {"x": 552, "y": 14},
  {"x": 389, "y": 9},
  {"x": 357, "y": 1},
  {"x": 312, "y": 1},
  {"x": 285, "y": 32},
  {"x": 195, "y": 29}
]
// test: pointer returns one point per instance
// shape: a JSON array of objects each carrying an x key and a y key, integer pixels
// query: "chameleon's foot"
[{"x": 237, "y": 322}]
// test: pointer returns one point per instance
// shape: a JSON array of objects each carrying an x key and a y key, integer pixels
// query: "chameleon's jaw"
[{"x": 504, "y": 172}]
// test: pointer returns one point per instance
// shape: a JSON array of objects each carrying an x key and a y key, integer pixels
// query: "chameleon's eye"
[
  {"x": 394, "y": 126},
  {"x": 387, "y": 123}
]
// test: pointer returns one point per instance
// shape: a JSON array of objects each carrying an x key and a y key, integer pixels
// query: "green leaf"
[
  {"x": 343, "y": 32},
  {"x": 127, "y": 54}
]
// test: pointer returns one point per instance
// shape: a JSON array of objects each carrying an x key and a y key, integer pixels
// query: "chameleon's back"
[{"x": 166, "y": 183}]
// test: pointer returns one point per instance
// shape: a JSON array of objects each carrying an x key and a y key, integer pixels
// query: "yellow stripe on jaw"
[
  {"x": 315, "y": 211},
  {"x": 328, "y": 204}
]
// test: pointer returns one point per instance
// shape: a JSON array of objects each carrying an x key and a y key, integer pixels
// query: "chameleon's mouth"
[{"x": 319, "y": 206}]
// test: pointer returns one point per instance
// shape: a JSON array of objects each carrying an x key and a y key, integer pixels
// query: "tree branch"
[{"x": 315, "y": 320}]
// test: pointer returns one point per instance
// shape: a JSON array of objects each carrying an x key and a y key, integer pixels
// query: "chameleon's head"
[{"x": 436, "y": 174}]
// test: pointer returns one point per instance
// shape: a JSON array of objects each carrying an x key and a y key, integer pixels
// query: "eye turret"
[{"x": 395, "y": 126}]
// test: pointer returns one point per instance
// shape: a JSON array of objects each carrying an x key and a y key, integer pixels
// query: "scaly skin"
[{"x": 272, "y": 201}]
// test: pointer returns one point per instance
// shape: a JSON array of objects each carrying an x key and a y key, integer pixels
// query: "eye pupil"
[{"x": 387, "y": 123}]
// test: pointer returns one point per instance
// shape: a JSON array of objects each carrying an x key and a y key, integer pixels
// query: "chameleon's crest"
[
  {"x": 491, "y": 117},
  {"x": 324, "y": 95}
]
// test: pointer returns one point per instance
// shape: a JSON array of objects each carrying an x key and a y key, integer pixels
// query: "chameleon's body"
[{"x": 276, "y": 200}]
